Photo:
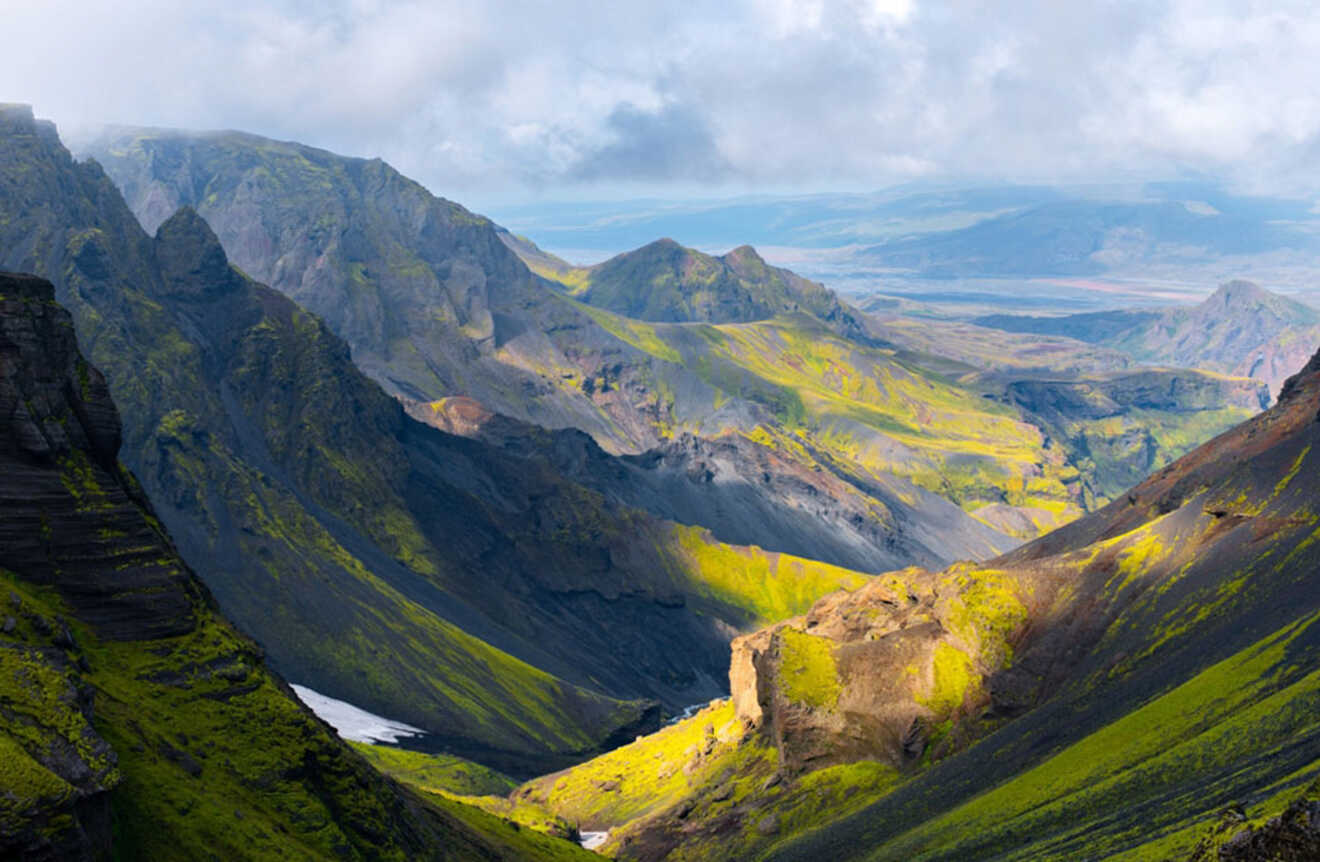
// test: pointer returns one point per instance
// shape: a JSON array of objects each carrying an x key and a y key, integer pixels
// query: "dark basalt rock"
[
  {"x": 1293, "y": 836},
  {"x": 59, "y": 445}
]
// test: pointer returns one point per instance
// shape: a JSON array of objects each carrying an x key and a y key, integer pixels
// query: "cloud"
[
  {"x": 671, "y": 142},
  {"x": 576, "y": 97}
]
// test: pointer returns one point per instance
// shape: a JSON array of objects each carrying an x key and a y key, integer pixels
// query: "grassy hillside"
[{"x": 1103, "y": 692}]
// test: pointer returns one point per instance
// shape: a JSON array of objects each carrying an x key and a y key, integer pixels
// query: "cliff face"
[{"x": 134, "y": 722}]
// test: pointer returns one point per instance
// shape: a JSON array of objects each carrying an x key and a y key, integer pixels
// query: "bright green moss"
[
  {"x": 954, "y": 680},
  {"x": 646, "y": 776},
  {"x": 24, "y": 783},
  {"x": 807, "y": 672},
  {"x": 767, "y": 585},
  {"x": 436, "y": 772}
]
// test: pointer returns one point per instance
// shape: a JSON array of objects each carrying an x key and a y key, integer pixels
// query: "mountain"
[
  {"x": 667, "y": 283},
  {"x": 135, "y": 721},
  {"x": 1241, "y": 329},
  {"x": 1105, "y": 691},
  {"x": 1086, "y": 237},
  {"x": 851, "y": 410},
  {"x": 516, "y": 615},
  {"x": 426, "y": 294}
]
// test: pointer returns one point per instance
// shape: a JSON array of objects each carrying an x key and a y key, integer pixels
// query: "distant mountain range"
[
  {"x": 932, "y": 231},
  {"x": 1241, "y": 329}
]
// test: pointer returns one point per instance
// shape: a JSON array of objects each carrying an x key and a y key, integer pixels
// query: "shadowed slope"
[{"x": 134, "y": 721}]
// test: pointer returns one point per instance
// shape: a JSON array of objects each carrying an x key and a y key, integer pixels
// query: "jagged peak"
[{"x": 192, "y": 260}]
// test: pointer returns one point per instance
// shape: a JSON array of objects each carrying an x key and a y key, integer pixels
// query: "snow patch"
[
  {"x": 592, "y": 840},
  {"x": 351, "y": 722}
]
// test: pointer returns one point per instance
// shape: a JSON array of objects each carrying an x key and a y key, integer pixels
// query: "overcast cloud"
[{"x": 508, "y": 99}]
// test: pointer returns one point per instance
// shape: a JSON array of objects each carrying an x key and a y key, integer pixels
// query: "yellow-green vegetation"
[
  {"x": 27, "y": 786},
  {"x": 1239, "y": 710},
  {"x": 807, "y": 672},
  {"x": 213, "y": 757},
  {"x": 436, "y": 772},
  {"x": 954, "y": 680},
  {"x": 766, "y": 585},
  {"x": 982, "y": 607},
  {"x": 513, "y": 837},
  {"x": 454, "y": 779},
  {"x": 708, "y": 787},
  {"x": 649, "y": 775},
  {"x": 644, "y": 336}
]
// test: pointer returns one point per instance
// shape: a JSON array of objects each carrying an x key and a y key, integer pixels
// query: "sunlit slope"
[
  {"x": 1196, "y": 689},
  {"x": 1104, "y": 691},
  {"x": 873, "y": 407}
]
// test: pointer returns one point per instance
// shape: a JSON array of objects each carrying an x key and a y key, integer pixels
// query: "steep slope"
[
  {"x": 664, "y": 282},
  {"x": 1240, "y": 329},
  {"x": 442, "y": 581},
  {"x": 285, "y": 475},
  {"x": 637, "y": 385},
  {"x": 134, "y": 721},
  {"x": 426, "y": 294},
  {"x": 1102, "y": 692}
]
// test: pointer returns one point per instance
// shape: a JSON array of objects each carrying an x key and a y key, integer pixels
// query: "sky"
[{"x": 508, "y": 101}]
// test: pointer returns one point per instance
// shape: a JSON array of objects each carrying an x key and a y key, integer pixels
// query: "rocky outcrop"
[
  {"x": 899, "y": 669},
  {"x": 1292, "y": 836}
]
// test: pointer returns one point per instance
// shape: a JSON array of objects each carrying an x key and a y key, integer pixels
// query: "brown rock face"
[{"x": 881, "y": 673}]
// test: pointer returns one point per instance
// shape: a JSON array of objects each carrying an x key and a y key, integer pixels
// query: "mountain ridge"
[{"x": 121, "y": 686}]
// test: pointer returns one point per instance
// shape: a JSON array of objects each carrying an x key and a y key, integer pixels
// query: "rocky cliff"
[{"x": 134, "y": 721}]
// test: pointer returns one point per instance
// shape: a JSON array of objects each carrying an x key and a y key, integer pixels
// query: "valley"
[{"x": 677, "y": 555}]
